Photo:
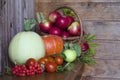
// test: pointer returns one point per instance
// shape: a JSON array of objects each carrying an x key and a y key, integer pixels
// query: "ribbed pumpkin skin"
[{"x": 53, "y": 44}]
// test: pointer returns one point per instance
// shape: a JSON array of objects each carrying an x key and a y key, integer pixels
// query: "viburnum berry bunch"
[{"x": 30, "y": 68}]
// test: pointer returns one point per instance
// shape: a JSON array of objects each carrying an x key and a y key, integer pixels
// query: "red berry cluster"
[{"x": 27, "y": 70}]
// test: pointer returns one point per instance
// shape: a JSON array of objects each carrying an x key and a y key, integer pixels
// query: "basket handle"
[{"x": 78, "y": 17}]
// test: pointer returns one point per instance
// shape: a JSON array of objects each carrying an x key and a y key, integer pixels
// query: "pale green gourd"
[{"x": 25, "y": 45}]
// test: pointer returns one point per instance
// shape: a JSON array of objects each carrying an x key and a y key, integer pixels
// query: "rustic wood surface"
[
  {"x": 13, "y": 14},
  {"x": 0, "y": 44},
  {"x": 78, "y": 1},
  {"x": 87, "y": 11},
  {"x": 75, "y": 74},
  {"x": 104, "y": 70}
]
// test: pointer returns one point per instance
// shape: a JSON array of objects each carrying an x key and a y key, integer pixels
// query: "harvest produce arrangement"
[{"x": 32, "y": 53}]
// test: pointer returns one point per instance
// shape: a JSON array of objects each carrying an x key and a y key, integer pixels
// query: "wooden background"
[{"x": 100, "y": 17}]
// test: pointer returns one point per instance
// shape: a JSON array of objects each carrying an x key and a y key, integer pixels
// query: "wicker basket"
[{"x": 70, "y": 39}]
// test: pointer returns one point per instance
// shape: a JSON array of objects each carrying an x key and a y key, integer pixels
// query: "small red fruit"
[
  {"x": 51, "y": 67},
  {"x": 42, "y": 60},
  {"x": 59, "y": 60},
  {"x": 84, "y": 47},
  {"x": 30, "y": 61}
]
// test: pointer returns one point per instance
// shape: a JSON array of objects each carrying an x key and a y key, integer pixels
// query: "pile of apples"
[{"x": 59, "y": 24}]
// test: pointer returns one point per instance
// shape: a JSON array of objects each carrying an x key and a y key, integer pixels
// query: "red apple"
[
  {"x": 45, "y": 26},
  {"x": 71, "y": 19},
  {"x": 65, "y": 34},
  {"x": 53, "y": 16},
  {"x": 55, "y": 31},
  {"x": 62, "y": 22},
  {"x": 74, "y": 29}
]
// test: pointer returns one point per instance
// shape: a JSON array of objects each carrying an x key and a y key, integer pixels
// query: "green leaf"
[
  {"x": 69, "y": 12},
  {"x": 59, "y": 69},
  {"x": 71, "y": 46},
  {"x": 87, "y": 60},
  {"x": 29, "y": 24},
  {"x": 91, "y": 38},
  {"x": 66, "y": 45},
  {"x": 93, "y": 44},
  {"x": 77, "y": 49},
  {"x": 86, "y": 36},
  {"x": 92, "y": 51}
]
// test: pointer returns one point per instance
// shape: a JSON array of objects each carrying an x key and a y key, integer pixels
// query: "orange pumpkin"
[{"x": 53, "y": 44}]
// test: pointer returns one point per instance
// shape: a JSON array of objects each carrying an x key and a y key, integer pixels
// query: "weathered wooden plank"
[
  {"x": 13, "y": 19},
  {"x": 89, "y": 1},
  {"x": 0, "y": 43},
  {"x": 78, "y": 1},
  {"x": 3, "y": 52},
  {"x": 103, "y": 29},
  {"x": 98, "y": 78},
  {"x": 104, "y": 69},
  {"x": 0, "y": 30},
  {"x": 86, "y": 10},
  {"x": 29, "y": 8},
  {"x": 107, "y": 50},
  {"x": 68, "y": 75},
  {"x": 37, "y": 1}
]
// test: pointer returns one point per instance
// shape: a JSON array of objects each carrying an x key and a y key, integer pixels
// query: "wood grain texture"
[
  {"x": 0, "y": 31},
  {"x": 29, "y": 8},
  {"x": 107, "y": 30},
  {"x": 107, "y": 50},
  {"x": 78, "y": 1},
  {"x": 86, "y": 10},
  {"x": 13, "y": 15},
  {"x": 68, "y": 75},
  {"x": 98, "y": 78},
  {"x": 12, "y": 23},
  {"x": 104, "y": 69}
]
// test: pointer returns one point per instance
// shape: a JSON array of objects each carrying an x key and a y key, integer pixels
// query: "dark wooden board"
[{"x": 75, "y": 74}]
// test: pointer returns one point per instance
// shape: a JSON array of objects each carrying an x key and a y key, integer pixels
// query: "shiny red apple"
[
  {"x": 74, "y": 29},
  {"x": 53, "y": 16},
  {"x": 62, "y": 22},
  {"x": 45, "y": 26}
]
